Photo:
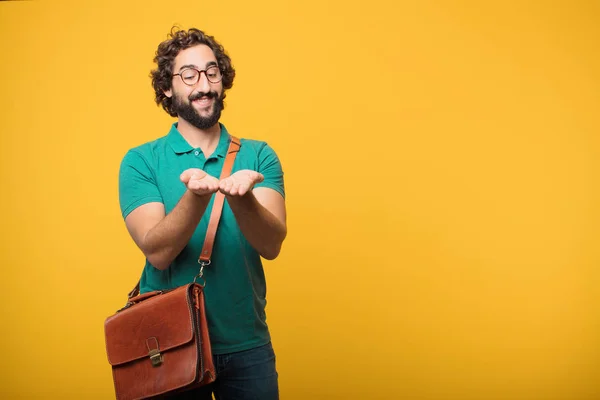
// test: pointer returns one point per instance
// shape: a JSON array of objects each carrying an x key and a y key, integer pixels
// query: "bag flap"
[{"x": 160, "y": 323}]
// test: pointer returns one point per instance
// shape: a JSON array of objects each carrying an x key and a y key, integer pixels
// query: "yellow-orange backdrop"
[{"x": 442, "y": 168}]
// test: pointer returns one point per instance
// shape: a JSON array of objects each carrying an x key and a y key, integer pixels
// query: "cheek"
[
  {"x": 184, "y": 96},
  {"x": 181, "y": 90}
]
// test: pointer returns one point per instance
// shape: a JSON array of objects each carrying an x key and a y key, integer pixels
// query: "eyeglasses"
[{"x": 191, "y": 76}]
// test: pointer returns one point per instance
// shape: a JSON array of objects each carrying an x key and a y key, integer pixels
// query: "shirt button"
[{"x": 196, "y": 152}]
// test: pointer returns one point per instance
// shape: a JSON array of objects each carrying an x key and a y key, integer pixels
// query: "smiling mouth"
[{"x": 203, "y": 102}]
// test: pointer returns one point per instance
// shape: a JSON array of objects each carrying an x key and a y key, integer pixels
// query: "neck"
[{"x": 205, "y": 139}]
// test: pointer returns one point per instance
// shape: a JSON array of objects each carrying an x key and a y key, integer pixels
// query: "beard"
[{"x": 185, "y": 109}]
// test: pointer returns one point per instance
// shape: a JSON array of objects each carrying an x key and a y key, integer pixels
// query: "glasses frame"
[{"x": 200, "y": 71}]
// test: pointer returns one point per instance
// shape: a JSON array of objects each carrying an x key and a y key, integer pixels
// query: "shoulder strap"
[
  {"x": 206, "y": 252},
  {"x": 215, "y": 216}
]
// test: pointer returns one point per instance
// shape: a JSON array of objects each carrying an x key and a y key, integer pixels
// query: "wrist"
[
  {"x": 248, "y": 200},
  {"x": 199, "y": 197}
]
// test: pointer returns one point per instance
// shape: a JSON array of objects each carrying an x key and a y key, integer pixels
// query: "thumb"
[
  {"x": 185, "y": 176},
  {"x": 258, "y": 177},
  {"x": 192, "y": 173}
]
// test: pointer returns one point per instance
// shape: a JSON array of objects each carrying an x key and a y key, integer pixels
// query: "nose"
[{"x": 203, "y": 84}]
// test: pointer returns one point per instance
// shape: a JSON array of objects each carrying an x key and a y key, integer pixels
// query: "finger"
[
  {"x": 185, "y": 176},
  {"x": 227, "y": 188},
  {"x": 235, "y": 191},
  {"x": 225, "y": 191},
  {"x": 202, "y": 185},
  {"x": 259, "y": 177},
  {"x": 192, "y": 173},
  {"x": 243, "y": 189},
  {"x": 223, "y": 184}
]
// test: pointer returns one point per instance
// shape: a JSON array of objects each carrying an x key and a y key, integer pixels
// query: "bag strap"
[
  {"x": 206, "y": 252},
  {"x": 215, "y": 216},
  {"x": 209, "y": 240}
]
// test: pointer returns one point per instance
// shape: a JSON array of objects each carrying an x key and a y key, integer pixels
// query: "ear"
[{"x": 168, "y": 93}]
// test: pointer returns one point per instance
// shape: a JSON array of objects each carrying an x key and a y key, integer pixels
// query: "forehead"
[{"x": 199, "y": 56}]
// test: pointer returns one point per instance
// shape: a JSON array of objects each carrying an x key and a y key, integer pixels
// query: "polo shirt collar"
[
  {"x": 180, "y": 145},
  {"x": 221, "y": 150}
]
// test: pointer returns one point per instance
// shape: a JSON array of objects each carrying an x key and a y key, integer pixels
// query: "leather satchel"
[{"x": 158, "y": 343}]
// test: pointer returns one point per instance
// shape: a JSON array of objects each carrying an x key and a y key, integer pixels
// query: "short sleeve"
[
  {"x": 137, "y": 183},
  {"x": 270, "y": 166}
]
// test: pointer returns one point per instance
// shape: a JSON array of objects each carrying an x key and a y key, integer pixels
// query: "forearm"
[
  {"x": 168, "y": 238},
  {"x": 259, "y": 226}
]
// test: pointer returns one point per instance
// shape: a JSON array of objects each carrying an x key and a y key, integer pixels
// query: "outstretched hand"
[
  {"x": 240, "y": 182},
  {"x": 199, "y": 182},
  {"x": 237, "y": 184}
]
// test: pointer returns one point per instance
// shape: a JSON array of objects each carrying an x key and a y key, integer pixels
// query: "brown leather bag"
[{"x": 158, "y": 343}]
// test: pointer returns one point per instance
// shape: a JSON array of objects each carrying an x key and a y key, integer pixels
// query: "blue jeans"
[{"x": 245, "y": 375}]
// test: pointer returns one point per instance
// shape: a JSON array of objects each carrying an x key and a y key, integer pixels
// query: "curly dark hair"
[{"x": 165, "y": 57}]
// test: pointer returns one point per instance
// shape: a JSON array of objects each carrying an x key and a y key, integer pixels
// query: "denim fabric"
[{"x": 245, "y": 375}]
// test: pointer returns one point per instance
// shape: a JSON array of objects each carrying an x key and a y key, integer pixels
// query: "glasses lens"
[
  {"x": 213, "y": 74},
  {"x": 189, "y": 76}
]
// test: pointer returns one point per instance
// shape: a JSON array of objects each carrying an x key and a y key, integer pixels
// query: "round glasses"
[{"x": 191, "y": 76}]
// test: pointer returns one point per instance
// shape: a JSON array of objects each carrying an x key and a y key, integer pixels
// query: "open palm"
[
  {"x": 199, "y": 181},
  {"x": 240, "y": 182}
]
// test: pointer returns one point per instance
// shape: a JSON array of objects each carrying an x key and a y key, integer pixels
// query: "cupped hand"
[
  {"x": 240, "y": 182},
  {"x": 199, "y": 182}
]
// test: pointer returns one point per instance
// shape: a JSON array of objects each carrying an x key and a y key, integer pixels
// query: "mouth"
[{"x": 203, "y": 102}]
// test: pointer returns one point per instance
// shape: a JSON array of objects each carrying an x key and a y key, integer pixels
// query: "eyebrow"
[{"x": 208, "y": 64}]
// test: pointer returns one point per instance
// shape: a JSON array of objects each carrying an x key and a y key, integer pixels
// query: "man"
[{"x": 166, "y": 190}]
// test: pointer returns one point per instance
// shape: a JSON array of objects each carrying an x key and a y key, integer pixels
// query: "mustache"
[{"x": 199, "y": 95}]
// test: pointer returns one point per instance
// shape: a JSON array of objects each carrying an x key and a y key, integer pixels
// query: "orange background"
[{"x": 441, "y": 162}]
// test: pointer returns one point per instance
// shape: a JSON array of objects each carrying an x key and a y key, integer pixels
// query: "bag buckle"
[
  {"x": 201, "y": 272},
  {"x": 155, "y": 357}
]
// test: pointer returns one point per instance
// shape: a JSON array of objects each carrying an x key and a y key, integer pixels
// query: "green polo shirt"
[{"x": 235, "y": 281}]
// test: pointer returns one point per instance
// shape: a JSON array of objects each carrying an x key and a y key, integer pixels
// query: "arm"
[
  {"x": 259, "y": 212},
  {"x": 162, "y": 237},
  {"x": 261, "y": 216}
]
